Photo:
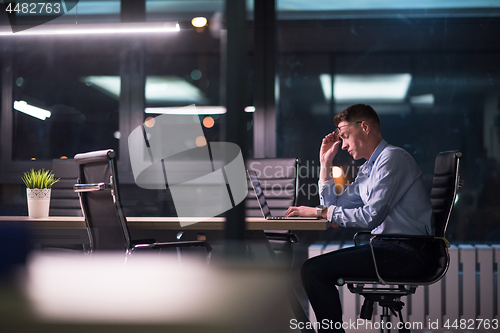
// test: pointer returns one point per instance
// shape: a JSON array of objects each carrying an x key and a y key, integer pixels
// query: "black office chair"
[
  {"x": 444, "y": 189},
  {"x": 280, "y": 184},
  {"x": 98, "y": 189},
  {"x": 64, "y": 201}
]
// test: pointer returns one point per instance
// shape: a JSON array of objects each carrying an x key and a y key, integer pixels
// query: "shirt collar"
[{"x": 376, "y": 153}]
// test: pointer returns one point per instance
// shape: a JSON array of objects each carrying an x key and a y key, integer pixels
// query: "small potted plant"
[{"x": 38, "y": 185}]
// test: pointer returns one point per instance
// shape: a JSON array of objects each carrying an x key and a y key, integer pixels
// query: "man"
[{"x": 388, "y": 196}]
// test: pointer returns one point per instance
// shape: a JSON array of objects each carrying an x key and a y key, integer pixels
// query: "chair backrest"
[
  {"x": 444, "y": 188},
  {"x": 64, "y": 201},
  {"x": 279, "y": 180},
  {"x": 100, "y": 200}
]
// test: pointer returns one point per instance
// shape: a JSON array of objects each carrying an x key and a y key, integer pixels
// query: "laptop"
[{"x": 261, "y": 199}]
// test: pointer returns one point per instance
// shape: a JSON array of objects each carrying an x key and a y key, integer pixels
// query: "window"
[
  {"x": 433, "y": 79},
  {"x": 69, "y": 82}
]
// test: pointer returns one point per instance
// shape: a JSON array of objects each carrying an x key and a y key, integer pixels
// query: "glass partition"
[
  {"x": 65, "y": 101},
  {"x": 431, "y": 71}
]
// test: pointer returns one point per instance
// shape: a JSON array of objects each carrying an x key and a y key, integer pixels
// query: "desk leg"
[
  {"x": 262, "y": 252},
  {"x": 259, "y": 247}
]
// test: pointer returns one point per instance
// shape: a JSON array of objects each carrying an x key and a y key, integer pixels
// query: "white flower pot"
[{"x": 38, "y": 202}]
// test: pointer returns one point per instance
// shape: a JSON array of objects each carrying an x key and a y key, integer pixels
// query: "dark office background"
[{"x": 97, "y": 90}]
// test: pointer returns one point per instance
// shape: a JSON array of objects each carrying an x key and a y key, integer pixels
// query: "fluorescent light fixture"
[
  {"x": 31, "y": 110},
  {"x": 326, "y": 84},
  {"x": 192, "y": 110},
  {"x": 368, "y": 87},
  {"x": 159, "y": 89},
  {"x": 89, "y": 29},
  {"x": 172, "y": 89},
  {"x": 111, "y": 85},
  {"x": 187, "y": 110},
  {"x": 422, "y": 100}
]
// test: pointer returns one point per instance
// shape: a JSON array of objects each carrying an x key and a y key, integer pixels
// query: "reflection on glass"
[
  {"x": 77, "y": 117},
  {"x": 370, "y": 88}
]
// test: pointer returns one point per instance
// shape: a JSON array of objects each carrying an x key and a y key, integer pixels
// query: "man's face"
[{"x": 352, "y": 138}]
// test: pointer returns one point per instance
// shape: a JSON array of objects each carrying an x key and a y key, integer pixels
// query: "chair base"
[{"x": 388, "y": 298}]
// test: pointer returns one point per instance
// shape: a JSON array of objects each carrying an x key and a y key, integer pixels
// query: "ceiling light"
[
  {"x": 107, "y": 84},
  {"x": 158, "y": 89},
  {"x": 369, "y": 87},
  {"x": 187, "y": 110},
  {"x": 199, "y": 22},
  {"x": 192, "y": 110},
  {"x": 326, "y": 84},
  {"x": 422, "y": 100},
  {"x": 87, "y": 29},
  {"x": 33, "y": 111},
  {"x": 172, "y": 89}
]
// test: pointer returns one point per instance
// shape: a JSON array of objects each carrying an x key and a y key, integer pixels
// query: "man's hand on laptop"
[{"x": 301, "y": 211}]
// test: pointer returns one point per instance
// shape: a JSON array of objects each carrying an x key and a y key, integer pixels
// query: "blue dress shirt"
[{"x": 388, "y": 196}]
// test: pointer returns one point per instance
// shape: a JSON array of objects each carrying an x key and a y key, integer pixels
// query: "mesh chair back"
[
  {"x": 279, "y": 180},
  {"x": 444, "y": 188},
  {"x": 64, "y": 201},
  {"x": 106, "y": 223}
]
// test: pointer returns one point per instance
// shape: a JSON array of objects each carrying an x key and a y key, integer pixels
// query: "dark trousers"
[{"x": 320, "y": 273}]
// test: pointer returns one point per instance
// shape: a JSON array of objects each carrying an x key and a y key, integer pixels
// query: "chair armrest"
[
  {"x": 400, "y": 237},
  {"x": 92, "y": 187},
  {"x": 404, "y": 237},
  {"x": 143, "y": 241},
  {"x": 413, "y": 237},
  {"x": 285, "y": 236},
  {"x": 359, "y": 233}
]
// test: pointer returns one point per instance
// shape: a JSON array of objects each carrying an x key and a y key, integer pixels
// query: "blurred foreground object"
[{"x": 105, "y": 293}]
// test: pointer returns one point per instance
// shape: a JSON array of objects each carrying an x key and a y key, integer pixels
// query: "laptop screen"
[{"x": 254, "y": 180}]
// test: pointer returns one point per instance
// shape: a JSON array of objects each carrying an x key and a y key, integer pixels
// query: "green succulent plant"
[{"x": 39, "y": 179}]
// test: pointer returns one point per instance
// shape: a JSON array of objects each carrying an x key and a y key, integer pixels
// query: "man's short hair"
[{"x": 358, "y": 112}]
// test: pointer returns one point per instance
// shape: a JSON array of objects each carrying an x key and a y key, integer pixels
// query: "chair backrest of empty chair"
[
  {"x": 279, "y": 180},
  {"x": 102, "y": 209},
  {"x": 64, "y": 201},
  {"x": 444, "y": 188}
]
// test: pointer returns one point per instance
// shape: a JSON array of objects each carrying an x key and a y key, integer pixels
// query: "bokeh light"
[
  {"x": 208, "y": 122},
  {"x": 201, "y": 141},
  {"x": 199, "y": 22},
  {"x": 149, "y": 122},
  {"x": 196, "y": 74},
  {"x": 337, "y": 172}
]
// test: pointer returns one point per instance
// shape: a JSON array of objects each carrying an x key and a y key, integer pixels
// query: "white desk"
[{"x": 170, "y": 223}]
